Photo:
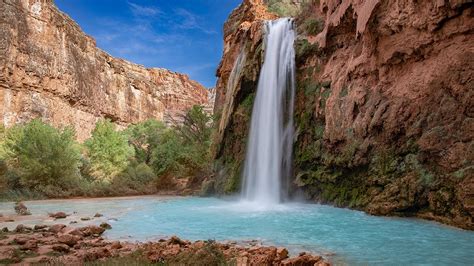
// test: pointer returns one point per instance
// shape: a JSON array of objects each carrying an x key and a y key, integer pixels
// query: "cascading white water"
[{"x": 269, "y": 150}]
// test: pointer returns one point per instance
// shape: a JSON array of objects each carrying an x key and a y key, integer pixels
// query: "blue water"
[{"x": 351, "y": 237}]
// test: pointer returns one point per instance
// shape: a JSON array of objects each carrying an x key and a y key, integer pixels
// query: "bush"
[
  {"x": 313, "y": 26},
  {"x": 184, "y": 149},
  {"x": 108, "y": 151},
  {"x": 144, "y": 137},
  {"x": 136, "y": 177},
  {"x": 38, "y": 160},
  {"x": 40, "y": 155},
  {"x": 169, "y": 155}
]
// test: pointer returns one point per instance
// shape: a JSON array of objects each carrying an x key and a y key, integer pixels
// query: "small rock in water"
[
  {"x": 85, "y": 219},
  {"x": 73, "y": 222},
  {"x": 58, "y": 215},
  {"x": 106, "y": 226},
  {"x": 97, "y": 215},
  {"x": 21, "y": 209},
  {"x": 5, "y": 230}
]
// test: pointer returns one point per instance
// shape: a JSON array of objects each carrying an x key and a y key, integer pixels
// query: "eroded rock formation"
[
  {"x": 50, "y": 69},
  {"x": 384, "y": 108}
]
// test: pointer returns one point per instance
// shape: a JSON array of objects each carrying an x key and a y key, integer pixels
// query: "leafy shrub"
[
  {"x": 304, "y": 49},
  {"x": 135, "y": 177},
  {"x": 284, "y": 8},
  {"x": 313, "y": 26},
  {"x": 169, "y": 155},
  {"x": 41, "y": 155},
  {"x": 38, "y": 160},
  {"x": 184, "y": 149},
  {"x": 144, "y": 137},
  {"x": 108, "y": 151}
]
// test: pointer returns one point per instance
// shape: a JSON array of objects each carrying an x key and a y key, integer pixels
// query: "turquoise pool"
[{"x": 345, "y": 236}]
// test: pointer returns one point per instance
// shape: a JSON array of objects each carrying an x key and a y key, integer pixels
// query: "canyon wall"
[
  {"x": 384, "y": 107},
  {"x": 52, "y": 70}
]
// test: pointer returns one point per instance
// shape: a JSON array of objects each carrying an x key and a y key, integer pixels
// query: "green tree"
[
  {"x": 42, "y": 155},
  {"x": 184, "y": 149},
  {"x": 144, "y": 137},
  {"x": 169, "y": 155},
  {"x": 196, "y": 125},
  {"x": 108, "y": 151}
]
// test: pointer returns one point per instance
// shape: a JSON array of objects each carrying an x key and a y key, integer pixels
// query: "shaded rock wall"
[
  {"x": 384, "y": 108},
  {"x": 50, "y": 69}
]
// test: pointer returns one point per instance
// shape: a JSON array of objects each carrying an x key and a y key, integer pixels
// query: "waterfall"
[{"x": 270, "y": 143}]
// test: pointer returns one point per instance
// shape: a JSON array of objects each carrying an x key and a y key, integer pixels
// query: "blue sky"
[{"x": 181, "y": 35}]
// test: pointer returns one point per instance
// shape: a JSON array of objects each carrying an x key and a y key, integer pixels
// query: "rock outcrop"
[
  {"x": 50, "y": 69},
  {"x": 77, "y": 246},
  {"x": 384, "y": 107}
]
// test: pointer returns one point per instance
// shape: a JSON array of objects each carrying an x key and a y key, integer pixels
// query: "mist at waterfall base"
[{"x": 269, "y": 148}]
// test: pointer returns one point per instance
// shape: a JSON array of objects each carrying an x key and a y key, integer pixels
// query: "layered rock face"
[
  {"x": 50, "y": 69},
  {"x": 384, "y": 108}
]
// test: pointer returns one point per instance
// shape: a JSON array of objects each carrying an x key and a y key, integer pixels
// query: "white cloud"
[
  {"x": 191, "y": 21},
  {"x": 144, "y": 11}
]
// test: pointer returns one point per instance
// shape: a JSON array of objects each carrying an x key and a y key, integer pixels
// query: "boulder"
[
  {"x": 21, "y": 209},
  {"x": 176, "y": 240},
  {"x": 75, "y": 232},
  {"x": 20, "y": 240},
  {"x": 58, "y": 215},
  {"x": 56, "y": 228},
  {"x": 23, "y": 228},
  {"x": 68, "y": 239},
  {"x": 302, "y": 260},
  {"x": 116, "y": 245},
  {"x": 97, "y": 215},
  {"x": 282, "y": 253},
  {"x": 85, "y": 218},
  {"x": 40, "y": 227},
  {"x": 30, "y": 245},
  {"x": 63, "y": 248},
  {"x": 95, "y": 254},
  {"x": 92, "y": 230},
  {"x": 106, "y": 226}
]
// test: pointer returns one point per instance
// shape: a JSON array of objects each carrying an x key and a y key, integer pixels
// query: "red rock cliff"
[
  {"x": 384, "y": 108},
  {"x": 50, "y": 69}
]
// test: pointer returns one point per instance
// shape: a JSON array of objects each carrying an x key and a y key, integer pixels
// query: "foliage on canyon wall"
[{"x": 39, "y": 160}]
